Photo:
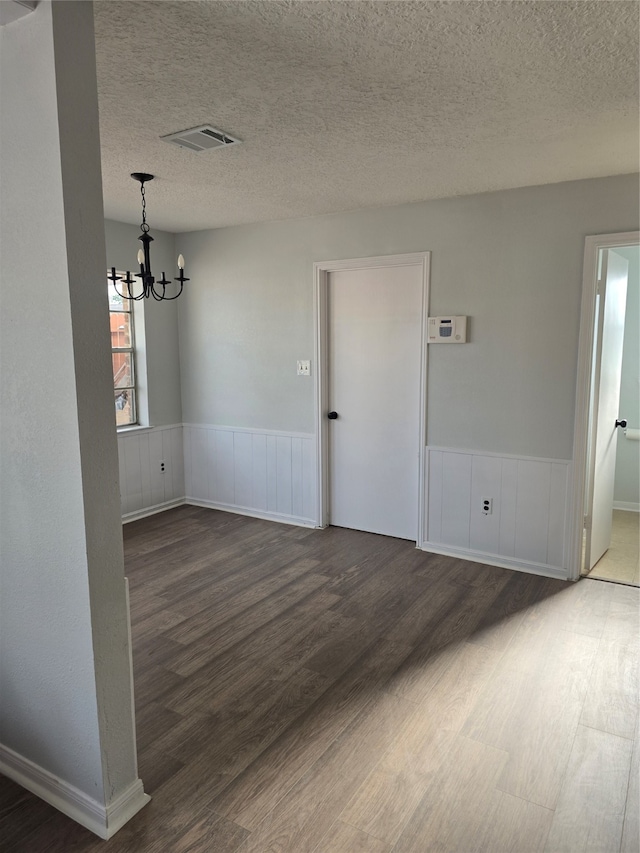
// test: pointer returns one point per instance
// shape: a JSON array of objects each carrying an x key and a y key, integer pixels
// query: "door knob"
[
  {"x": 333, "y": 415},
  {"x": 622, "y": 423}
]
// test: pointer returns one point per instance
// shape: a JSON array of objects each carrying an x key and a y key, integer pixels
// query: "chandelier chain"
[{"x": 144, "y": 227}]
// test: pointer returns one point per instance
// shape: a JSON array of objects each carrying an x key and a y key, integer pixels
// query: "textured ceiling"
[{"x": 344, "y": 105}]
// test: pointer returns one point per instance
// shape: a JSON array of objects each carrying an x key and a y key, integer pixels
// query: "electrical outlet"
[
  {"x": 304, "y": 368},
  {"x": 487, "y": 506},
  {"x": 162, "y": 466}
]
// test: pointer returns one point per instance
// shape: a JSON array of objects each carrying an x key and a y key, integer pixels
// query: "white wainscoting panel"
[
  {"x": 527, "y": 528},
  {"x": 144, "y": 487},
  {"x": 256, "y": 472}
]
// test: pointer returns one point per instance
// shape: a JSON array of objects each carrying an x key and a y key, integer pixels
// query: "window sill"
[{"x": 121, "y": 430}]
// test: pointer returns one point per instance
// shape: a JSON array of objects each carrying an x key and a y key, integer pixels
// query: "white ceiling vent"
[{"x": 201, "y": 138}]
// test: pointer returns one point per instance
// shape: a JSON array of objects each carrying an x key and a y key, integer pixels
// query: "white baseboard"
[
  {"x": 626, "y": 506},
  {"x": 253, "y": 513},
  {"x": 152, "y": 510},
  {"x": 102, "y": 820},
  {"x": 497, "y": 560},
  {"x": 124, "y": 807}
]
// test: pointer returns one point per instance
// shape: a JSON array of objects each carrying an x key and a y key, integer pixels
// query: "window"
[{"x": 123, "y": 357}]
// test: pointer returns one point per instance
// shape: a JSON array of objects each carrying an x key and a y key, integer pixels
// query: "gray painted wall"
[
  {"x": 511, "y": 261},
  {"x": 65, "y": 689},
  {"x": 627, "y": 485},
  {"x": 157, "y": 348}
]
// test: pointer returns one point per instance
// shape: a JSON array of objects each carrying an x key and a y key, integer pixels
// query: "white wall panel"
[
  {"x": 167, "y": 459},
  {"x": 284, "y": 477},
  {"x": 434, "y": 491},
  {"x": 528, "y": 525},
  {"x": 157, "y": 477},
  {"x": 206, "y": 456},
  {"x": 132, "y": 475},
  {"x": 256, "y": 471},
  {"x": 242, "y": 475},
  {"x": 259, "y": 472},
  {"x": 532, "y": 511},
  {"x": 222, "y": 486},
  {"x": 145, "y": 472},
  {"x": 187, "y": 436},
  {"x": 296, "y": 476},
  {"x": 486, "y": 481},
  {"x": 456, "y": 498},
  {"x": 143, "y": 484},
  {"x": 272, "y": 488},
  {"x": 558, "y": 515},
  {"x": 508, "y": 497},
  {"x": 308, "y": 479},
  {"x": 200, "y": 462},
  {"x": 177, "y": 459},
  {"x": 122, "y": 468}
]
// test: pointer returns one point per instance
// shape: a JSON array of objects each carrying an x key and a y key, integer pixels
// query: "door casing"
[
  {"x": 592, "y": 247},
  {"x": 321, "y": 270}
]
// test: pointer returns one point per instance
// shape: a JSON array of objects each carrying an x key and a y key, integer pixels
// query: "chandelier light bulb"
[
  {"x": 140, "y": 257},
  {"x": 180, "y": 262}
]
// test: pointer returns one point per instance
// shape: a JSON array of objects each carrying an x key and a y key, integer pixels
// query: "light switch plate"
[{"x": 304, "y": 368}]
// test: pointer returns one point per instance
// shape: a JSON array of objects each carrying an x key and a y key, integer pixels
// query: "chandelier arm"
[
  {"x": 170, "y": 298},
  {"x": 141, "y": 295},
  {"x": 121, "y": 295},
  {"x": 113, "y": 278}
]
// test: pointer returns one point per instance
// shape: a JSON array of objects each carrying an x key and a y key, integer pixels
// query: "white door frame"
[
  {"x": 592, "y": 247},
  {"x": 321, "y": 272}
]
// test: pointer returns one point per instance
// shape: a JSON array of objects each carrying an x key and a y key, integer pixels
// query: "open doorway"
[
  {"x": 620, "y": 562},
  {"x": 610, "y": 447}
]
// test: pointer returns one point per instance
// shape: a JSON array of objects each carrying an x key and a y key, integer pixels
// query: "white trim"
[
  {"x": 152, "y": 510},
  {"x": 253, "y": 430},
  {"x": 131, "y": 681},
  {"x": 103, "y": 820},
  {"x": 124, "y": 807},
  {"x": 407, "y": 260},
  {"x": 496, "y": 560},
  {"x": 626, "y": 506},
  {"x": 321, "y": 270},
  {"x": 137, "y": 428},
  {"x": 498, "y": 455},
  {"x": 592, "y": 247},
  {"x": 253, "y": 513},
  {"x": 422, "y": 425},
  {"x": 321, "y": 387}
]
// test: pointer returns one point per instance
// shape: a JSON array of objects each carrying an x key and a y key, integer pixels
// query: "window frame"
[{"x": 131, "y": 388}]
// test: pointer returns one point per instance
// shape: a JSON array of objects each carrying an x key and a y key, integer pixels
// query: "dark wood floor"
[{"x": 335, "y": 691}]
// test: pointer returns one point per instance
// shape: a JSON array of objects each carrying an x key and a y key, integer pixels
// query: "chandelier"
[{"x": 150, "y": 287}]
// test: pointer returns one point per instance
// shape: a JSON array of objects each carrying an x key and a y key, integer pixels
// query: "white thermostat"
[{"x": 447, "y": 330}]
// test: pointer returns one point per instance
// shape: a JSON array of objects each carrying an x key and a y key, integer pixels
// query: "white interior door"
[
  {"x": 374, "y": 360},
  {"x": 607, "y": 370}
]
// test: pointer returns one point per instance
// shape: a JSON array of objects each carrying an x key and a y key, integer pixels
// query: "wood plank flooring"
[{"x": 331, "y": 691}]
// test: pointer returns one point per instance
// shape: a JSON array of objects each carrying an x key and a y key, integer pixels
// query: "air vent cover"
[{"x": 201, "y": 138}]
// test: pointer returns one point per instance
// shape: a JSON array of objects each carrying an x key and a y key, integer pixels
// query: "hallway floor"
[
  {"x": 332, "y": 691},
  {"x": 621, "y": 562}
]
